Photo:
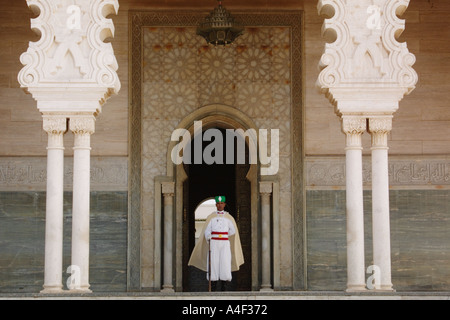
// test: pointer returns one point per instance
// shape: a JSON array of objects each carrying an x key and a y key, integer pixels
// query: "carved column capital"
[
  {"x": 380, "y": 124},
  {"x": 82, "y": 127},
  {"x": 54, "y": 124},
  {"x": 353, "y": 124},
  {"x": 380, "y": 127},
  {"x": 353, "y": 127},
  {"x": 265, "y": 188}
]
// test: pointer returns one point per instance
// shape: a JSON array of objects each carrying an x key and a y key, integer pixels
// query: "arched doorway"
[{"x": 204, "y": 181}]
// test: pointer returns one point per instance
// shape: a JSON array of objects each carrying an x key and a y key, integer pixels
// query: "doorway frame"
[
  {"x": 143, "y": 274},
  {"x": 226, "y": 117}
]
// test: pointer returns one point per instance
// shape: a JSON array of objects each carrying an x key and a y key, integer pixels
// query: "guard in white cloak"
[{"x": 220, "y": 236}]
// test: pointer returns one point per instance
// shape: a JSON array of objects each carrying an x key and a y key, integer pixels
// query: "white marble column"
[
  {"x": 265, "y": 189},
  {"x": 55, "y": 126},
  {"x": 168, "y": 191},
  {"x": 379, "y": 128},
  {"x": 82, "y": 128},
  {"x": 353, "y": 127},
  {"x": 365, "y": 72}
]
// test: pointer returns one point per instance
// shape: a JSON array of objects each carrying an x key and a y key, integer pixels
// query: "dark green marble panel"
[
  {"x": 420, "y": 239},
  {"x": 22, "y": 234}
]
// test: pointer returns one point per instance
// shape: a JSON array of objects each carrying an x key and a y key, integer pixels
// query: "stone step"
[{"x": 235, "y": 296}]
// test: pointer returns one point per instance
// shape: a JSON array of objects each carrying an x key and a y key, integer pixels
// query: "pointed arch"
[{"x": 214, "y": 115}]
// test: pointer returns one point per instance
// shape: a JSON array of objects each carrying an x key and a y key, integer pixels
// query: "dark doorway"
[{"x": 206, "y": 181}]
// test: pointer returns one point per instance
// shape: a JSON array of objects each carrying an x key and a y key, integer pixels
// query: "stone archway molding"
[
  {"x": 169, "y": 190},
  {"x": 218, "y": 115}
]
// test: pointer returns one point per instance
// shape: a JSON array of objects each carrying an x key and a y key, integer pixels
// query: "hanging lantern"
[{"x": 220, "y": 28}]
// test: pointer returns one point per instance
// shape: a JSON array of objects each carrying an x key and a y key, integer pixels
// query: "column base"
[
  {"x": 80, "y": 290},
  {"x": 52, "y": 290},
  {"x": 384, "y": 288},
  {"x": 356, "y": 288},
  {"x": 266, "y": 288},
  {"x": 167, "y": 289}
]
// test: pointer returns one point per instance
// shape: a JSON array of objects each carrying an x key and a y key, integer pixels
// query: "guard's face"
[{"x": 220, "y": 206}]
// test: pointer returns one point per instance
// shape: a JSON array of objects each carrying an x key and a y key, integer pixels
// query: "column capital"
[
  {"x": 82, "y": 124},
  {"x": 379, "y": 128},
  {"x": 82, "y": 127},
  {"x": 382, "y": 124},
  {"x": 353, "y": 127},
  {"x": 353, "y": 124},
  {"x": 265, "y": 187},
  {"x": 54, "y": 124},
  {"x": 168, "y": 188}
]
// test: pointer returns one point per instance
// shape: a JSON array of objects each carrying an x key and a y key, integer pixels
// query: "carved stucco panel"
[
  {"x": 181, "y": 74},
  {"x": 71, "y": 48},
  {"x": 30, "y": 173},
  {"x": 323, "y": 172},
  {"x": 364, "y": 69}
]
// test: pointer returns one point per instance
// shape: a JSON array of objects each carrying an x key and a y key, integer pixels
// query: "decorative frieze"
[
  {"x": 420, "y": 173},
  {"x": 30, "y": 174}
]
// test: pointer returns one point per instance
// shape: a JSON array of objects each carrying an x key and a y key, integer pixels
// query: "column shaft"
[
  {"x": 55, "y": 128},
  {"x": 379, "y": 129},
  {"x": 354, "y": 127},
  {"x": 82, "y": 128},
  {"x": 266, "y": 239},
  {"x": 168, "y": 193}
]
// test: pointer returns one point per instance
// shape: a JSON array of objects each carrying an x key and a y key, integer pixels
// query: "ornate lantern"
[{"x": 220, "y": 28}]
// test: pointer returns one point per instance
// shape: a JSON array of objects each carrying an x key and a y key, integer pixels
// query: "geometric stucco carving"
[
  {"x": 364, "y": 69},
  {"x": 70, "y": 68}
]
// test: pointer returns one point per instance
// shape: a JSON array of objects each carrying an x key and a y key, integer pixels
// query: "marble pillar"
[
  {"x": 265, "y": 189},
  {"x": 168, "y": 191},
  {"x": 353, "y": 127},
  {"x": 379, "y": 127},
  {"x": 55, "y": 126},
  {"x": 82, "y": 127}
]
